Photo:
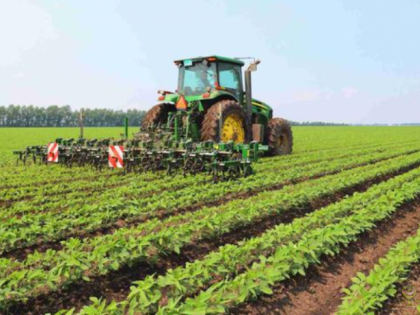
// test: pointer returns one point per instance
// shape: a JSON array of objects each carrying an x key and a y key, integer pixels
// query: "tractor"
[
  {"x": 210, "y": 124},
  {"x": 211, "y": 104}
]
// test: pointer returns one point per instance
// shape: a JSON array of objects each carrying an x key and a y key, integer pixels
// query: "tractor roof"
[{"x": 218, "y": 58}]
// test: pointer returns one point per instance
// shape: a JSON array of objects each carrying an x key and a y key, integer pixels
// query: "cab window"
[
  {"x": 230, "y": 77},
  {"x": 193, "y": 80}
]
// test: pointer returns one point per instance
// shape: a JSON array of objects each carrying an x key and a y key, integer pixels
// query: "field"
[{"x": 332, "y": 228}]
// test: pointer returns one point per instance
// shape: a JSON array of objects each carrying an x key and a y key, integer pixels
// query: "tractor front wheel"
[
  {"x": 279, "y": 137},
  {"x": 233, "y": 121},
  {"x": 157, "y": 115}
]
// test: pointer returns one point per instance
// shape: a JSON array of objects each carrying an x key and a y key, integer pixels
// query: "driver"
[{"x": 204, "y": 81}]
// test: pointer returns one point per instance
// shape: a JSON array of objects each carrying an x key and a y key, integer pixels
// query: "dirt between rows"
[
  {"x": 116, "y": 285},
  {"x": 320, "y": 291},
  {"x": 42, "y": 246}
]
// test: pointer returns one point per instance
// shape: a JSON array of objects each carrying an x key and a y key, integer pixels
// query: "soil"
[{"x": 320, "y": 291}]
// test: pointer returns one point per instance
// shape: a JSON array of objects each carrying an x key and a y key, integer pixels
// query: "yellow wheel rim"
[{"x": 233, "y": 129}]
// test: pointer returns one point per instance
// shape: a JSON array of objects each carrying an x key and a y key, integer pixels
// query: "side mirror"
[{"x": 253, "y": 66}]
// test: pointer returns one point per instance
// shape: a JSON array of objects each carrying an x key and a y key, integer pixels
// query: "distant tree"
[{"x": 3, "y": 116}]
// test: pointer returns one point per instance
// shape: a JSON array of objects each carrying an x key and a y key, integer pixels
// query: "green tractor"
[
  {"x": 210, "y": 125},
  {"x": 211, "y": 104}
]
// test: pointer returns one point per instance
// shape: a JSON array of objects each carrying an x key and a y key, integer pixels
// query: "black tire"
[
  {"x": 210, "y": 127},
  {"x": 279, "y": 137},
  {"x": 158, "y": 114}
]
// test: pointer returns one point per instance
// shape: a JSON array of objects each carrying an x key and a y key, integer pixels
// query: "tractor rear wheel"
[
  {"x": 158, "y": 114},
  {"x": 234, "y": 123},
  {"x": 279, "y": 137}
]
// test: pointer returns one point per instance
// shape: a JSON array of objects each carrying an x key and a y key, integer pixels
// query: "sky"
[{"x": 329, "y": 60}]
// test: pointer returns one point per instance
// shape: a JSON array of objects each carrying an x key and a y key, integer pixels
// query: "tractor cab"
[{"x": 200, "y": 76}]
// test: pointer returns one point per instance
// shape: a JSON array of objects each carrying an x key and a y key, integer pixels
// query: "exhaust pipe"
[{"x": 248, "y": 90}]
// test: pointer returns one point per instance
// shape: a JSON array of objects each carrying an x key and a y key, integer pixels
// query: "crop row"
[
  {"x": 110, "y": 189},
  {"x": 35, "y": 228},
  {"x": 41, "y": 201},
  {"x": 368, "y": 293},
  {"x": 32, "y": 190},
  {"x": 119, "y": 187},
  {"x": 44, "y": 192},
  {"x": 138, "y": 187},
  {"x": 137, "y": 182},
  {"x": 39, "y": 198},
  {"x": 51, "y": 189},
  {"x": 39, "y": 176},
  {"x": 64, "y": 187},
  {"x": 45, "y": 272},
  {"x": 293, "y": 258},
  {"x": 154, "y": 293}
]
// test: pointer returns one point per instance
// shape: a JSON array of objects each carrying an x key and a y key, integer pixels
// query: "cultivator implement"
[{"x": 223, "y": 161}]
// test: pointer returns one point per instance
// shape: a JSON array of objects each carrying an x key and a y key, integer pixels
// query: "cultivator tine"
[
  {"x": 157, "y": 162},
  {"x": 146, "y": 162},
  {"x": 172, "y": 167},
  {"x": 19, "y": 156},
  {"x": 188, "y": 164}
]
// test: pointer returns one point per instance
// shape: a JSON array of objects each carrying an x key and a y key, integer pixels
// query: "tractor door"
[{"x": 230, "y": 79}]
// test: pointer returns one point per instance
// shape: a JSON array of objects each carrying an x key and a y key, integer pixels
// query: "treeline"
[
  {"x": 316, "y": 123},
  {"x": 64, "y": 116}
]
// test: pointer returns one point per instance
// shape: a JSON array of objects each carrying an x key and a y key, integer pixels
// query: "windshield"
[{"x": 194, "y": 80}]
